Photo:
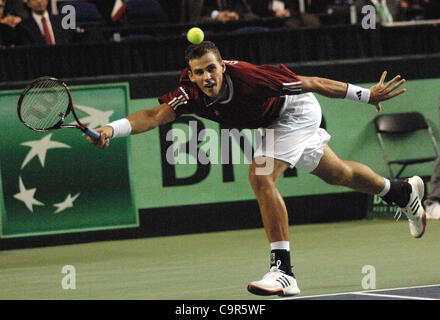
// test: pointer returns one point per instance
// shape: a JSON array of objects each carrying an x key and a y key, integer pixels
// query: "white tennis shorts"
[{"x": 297, "y": 138}]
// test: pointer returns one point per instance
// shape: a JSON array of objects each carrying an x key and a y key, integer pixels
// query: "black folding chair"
[{"x": 399, "y": 129}]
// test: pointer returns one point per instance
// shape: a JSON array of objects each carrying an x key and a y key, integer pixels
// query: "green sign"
[{"x": 55, "y": 181}]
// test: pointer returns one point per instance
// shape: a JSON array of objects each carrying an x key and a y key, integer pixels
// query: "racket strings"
[{"x": 45, "y": 104}]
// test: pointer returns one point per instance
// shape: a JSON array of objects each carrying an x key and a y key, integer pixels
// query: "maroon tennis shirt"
[{"x": 255, "y": 95}]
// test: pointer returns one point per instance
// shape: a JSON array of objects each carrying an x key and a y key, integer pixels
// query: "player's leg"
[
  {"x": 406, "y": 194},
  {"x": 273, "y": 212},
  {"x": 285, "y": 140},
  {"x": 280, "y": 279},
  {"x": 350, "y": 174},
  {"x": 272, "y": 207}
]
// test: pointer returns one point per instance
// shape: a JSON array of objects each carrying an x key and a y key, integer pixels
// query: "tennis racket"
[{"x": 45, "y": 104}]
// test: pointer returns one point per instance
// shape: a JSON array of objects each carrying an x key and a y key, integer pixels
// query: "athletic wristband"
[
  {"x": 121, "y": 128},
  {"x": 357, "y": 94}
]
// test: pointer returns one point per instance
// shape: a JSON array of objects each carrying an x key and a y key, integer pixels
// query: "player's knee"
[{"x": 258, "y": 182}]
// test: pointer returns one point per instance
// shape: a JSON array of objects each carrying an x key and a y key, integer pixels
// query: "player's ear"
[
  {"x": 191, "y": 76},
  {"x": 223, "y": 67}
]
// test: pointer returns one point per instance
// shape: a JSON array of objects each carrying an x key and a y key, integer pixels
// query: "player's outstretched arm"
[
  {"x": 146, "y": 120},
  {"x": 336, "y": 89},
  {"x": 137, "y": 122}
]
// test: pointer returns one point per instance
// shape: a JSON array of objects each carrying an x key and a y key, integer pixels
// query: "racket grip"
[{"x": 92, "y": 133}]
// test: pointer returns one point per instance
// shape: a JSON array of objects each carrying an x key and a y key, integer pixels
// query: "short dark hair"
[{"x": 195, "y": 51}]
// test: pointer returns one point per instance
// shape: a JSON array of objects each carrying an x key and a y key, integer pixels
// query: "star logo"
[
  {"x": 67, "y": 203},
  {"x": 96, "y": 118},
  {"x": 39, "y": 148},
  {"x": 27, "y": 196}
]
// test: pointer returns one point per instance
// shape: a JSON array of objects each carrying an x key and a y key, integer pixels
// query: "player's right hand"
[{"x": 104, "y": 142}]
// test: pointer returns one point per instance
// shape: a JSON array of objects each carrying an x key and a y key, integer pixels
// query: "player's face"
[{"x": 207, "y": 73}]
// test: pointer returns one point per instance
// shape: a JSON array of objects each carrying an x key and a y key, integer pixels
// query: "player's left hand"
[{"x": 381, "y": 92}]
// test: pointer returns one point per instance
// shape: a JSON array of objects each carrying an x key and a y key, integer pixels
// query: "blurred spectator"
[
  {"x": 183, "y": 11},
  {"x": 132, "y": 12},
  {"x": 431, "y": 9},
  {"x": 281, "y": 9},
  {"x": 319, "y": 6},
  {"x": 6, "y": 31},
  {"x": 227, "y": 10},
  {"x": 9, "y": 34},
  {"x": 41, "y": 27},
  {"x": 16, "y": 8},
  {"x": 412, "y": 8},
  {"x": 432, "y": 202},
  {"x": 111, "y": 10},
  {"x": 270, "y": 8},
  {"x": 286, "y": 9},
  {"x": 105, "y": 7},
  {"x": 421, "y": 9},
  {"x": 8, "y": 16},
  {"x": 387, "y": 11}
]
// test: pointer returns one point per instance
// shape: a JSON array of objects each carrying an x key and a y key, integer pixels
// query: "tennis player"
[{"x": 243, "y": 95}]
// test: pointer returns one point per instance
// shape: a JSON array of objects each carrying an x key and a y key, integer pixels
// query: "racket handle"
[{"x": 92, "y": 133}]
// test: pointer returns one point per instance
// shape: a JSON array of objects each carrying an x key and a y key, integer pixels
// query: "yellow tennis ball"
[{"x": 195, "y": 35}]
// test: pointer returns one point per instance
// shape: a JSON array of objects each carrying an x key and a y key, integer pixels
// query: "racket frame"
[{"x": 59, "y": 124}]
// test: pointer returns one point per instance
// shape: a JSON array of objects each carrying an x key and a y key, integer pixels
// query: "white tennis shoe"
[
  {"x": 414, "y": 210},
  {"x": 275, "y": 282}
]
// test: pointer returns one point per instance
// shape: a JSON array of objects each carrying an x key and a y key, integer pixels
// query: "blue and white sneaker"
[
  {"x": 275, "y": 282},
  {"x": 414, "y": 210}
]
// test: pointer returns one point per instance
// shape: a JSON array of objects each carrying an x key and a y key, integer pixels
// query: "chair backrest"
[
  {"x": 138, "y": 11},
  {"x": 398, "y": 123},
  {"x": 86, "y": 13},
  {"x": 406, "y": 139}
]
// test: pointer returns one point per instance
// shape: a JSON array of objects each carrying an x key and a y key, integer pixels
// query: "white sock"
[
  {"x": 280, "y": 245},
  {"x": 386, "y": 188}
]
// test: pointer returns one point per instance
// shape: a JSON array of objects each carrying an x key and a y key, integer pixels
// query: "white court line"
[
  {"x": 403, "y": 288},
  {"x": 391, "y": 296},
  {"x": 361, "y": 292}
]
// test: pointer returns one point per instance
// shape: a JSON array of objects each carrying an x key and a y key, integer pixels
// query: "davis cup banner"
[{"x": 54, "y": 182}]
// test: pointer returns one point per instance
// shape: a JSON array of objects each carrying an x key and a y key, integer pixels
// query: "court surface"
[
  {"x": 429, "y": 292},
  {"x": 328, "y": 262}
]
